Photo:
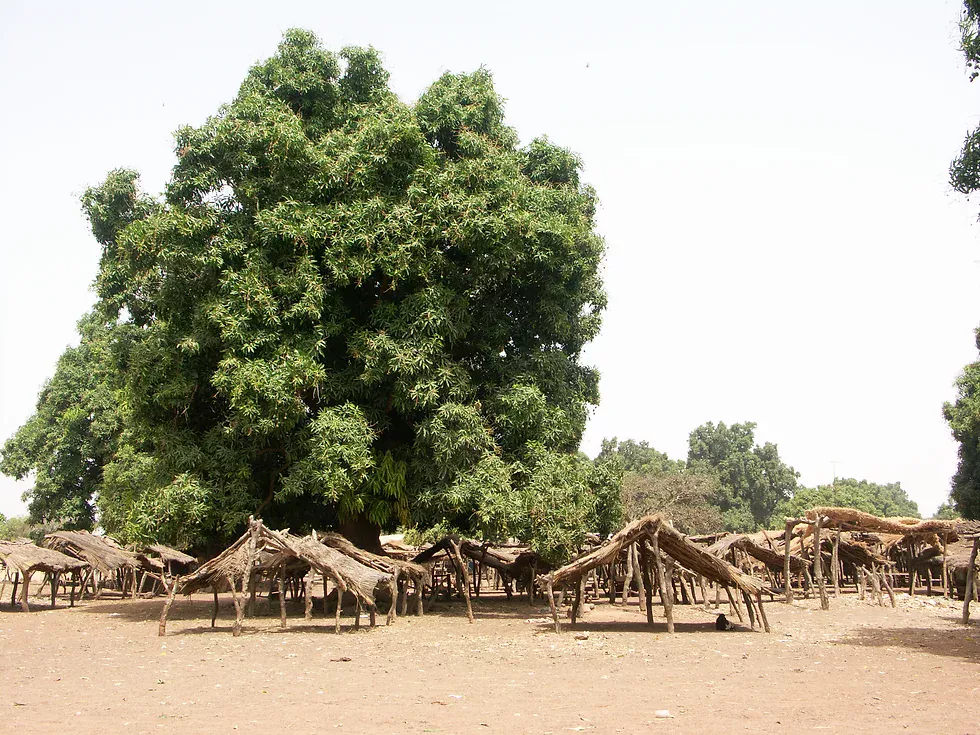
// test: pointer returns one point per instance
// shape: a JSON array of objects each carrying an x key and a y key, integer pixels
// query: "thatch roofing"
[
  {"x": 767, "y": 555},
  {"x": 27, "y": 558},
  {"x": 260, "y": 549},
  {"x": 101, "y": 555},
  {"x": 672, "y": 542},
  {"x": 849, "y": 519},
  {"x": 167, "y": 554},
  {"x": 389, "y": 565}
]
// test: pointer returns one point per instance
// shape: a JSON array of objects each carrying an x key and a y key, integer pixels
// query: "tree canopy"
[
  {"x": 963, "y": 415},
  {"x": 888, "y": 500},
  {"x": 753, "y": 480},
  {"x": 345, "y": 309}
]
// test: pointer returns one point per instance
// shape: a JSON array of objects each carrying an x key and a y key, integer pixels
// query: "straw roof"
[
  {"x": 389, "y": 565},
  {"x": 103, "y": 556},
  {"x": 261, "y": 549},
  {"x": 849, "y": 519},
  {"x": 766, "y": 554},
  {"x": 672, "y": 542},
  {"x": 27, "y": 558},
  {"x": 167, "y": 554}
]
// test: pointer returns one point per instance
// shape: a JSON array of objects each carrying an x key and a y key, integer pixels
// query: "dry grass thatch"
[
  {"x": 166, "y": 554},
  {"x": 671, "y": 542},
  {"x": 26, "y": 558},
  {"x": 849, "y": 519},
  {"x": 261, "y": 551},
  {"x": 104, "y": 557},
  {"x": 399, "y": 568},
  {"x": 767, "y": 554}
]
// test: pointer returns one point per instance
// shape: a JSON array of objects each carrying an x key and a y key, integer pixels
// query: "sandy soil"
[{"x": 100, "y": 668}]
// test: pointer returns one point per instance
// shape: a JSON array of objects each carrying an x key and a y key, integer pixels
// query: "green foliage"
[
  {"x": 564, "y": 498},
  {"x": 65, "y": 445},
  {"x": 963, "y": 417},
  {"x": 752, "y": 479},
  {"x": 14, "y": 528},
  {"x": 345, "y": 308},
  {"x": 639, "y": 457},
  {"x": 888, "y": 500},
  {"x": 946, "y": 512}
]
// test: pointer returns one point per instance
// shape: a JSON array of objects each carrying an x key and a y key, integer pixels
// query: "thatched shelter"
[
  {"x": 23, "y": 558},
  {"x": 159, "y": 563},
  {"x": 106, "y": 560},
  {"x": 264, "y": 553},
  {"x": 403, "y": 571},
  {"x": 660, "y": 548}
]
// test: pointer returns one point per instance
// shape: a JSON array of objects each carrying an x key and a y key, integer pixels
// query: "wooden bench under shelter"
[
  {"x": 24, "y": 558},
  {"x": 659, "y": 549}
]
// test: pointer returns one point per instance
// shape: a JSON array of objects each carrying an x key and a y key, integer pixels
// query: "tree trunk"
[{"x": 363, "y": 534}]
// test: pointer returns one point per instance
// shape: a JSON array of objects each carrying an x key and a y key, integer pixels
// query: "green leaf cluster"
[{"x": 344, "y": 309}]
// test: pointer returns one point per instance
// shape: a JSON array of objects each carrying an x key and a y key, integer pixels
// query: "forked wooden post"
[
  {"x": 970, "y": 581},
  {"x": 463, "y": 580},
  {"x": 162, "y": 630},
  {"x": 282, "y": 595}
]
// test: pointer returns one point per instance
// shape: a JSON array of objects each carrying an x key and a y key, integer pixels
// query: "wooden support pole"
[
  {"x": 551, "y": 602},
  {"x": 731, "y": 602},
  {"x": 214, "y": 608},
  {"x": 787, "y": 575},
  {"x": 236, "y": 629},
  {"x": 910, "y": 555},
  {"x": 24, "y": 590},
  {"x": 876, "y": 585},
  {"x": 54, "y": 589},
  {"x": 749, "y": 607},
  {"x": 888, "y": 586},
  {"x": 628, "y": 581},
  {"x": 641, "y": 583},
  {"x": 577, "y": 600},
  {"x": 282, "y": 595},
  {"x": 393, "y": 586},
  {"x": 308, "y": 608},
  {"x": 835, "y": 564},
  {"x": 945, "y": 567},
  {"x": 704, "y": 593},
  {"x": 666, "y": 589},
  {"x": 818, "y": 566},
  {"x": 970, "y": 581},
  {"x": 463, "y": 580},
  {"x": 162, "y": 629},
  {"x": 13, "y": 595},
  {"x": 340, "y": 588},
  {"x": 647, "y": 580},
  {"x": 762, "y": 612}
]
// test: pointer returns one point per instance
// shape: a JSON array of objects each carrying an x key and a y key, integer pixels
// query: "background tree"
[
  {"x": 685, "y": 497},
  {"x": 752, "y": 479},
  {"x": 348, "y": 310},
  {"x": 888, "y": 500},
  {"x": 962, "y": 415},
  {"x": 73, "y": 433},
  {"x": 631, "y": 456}
]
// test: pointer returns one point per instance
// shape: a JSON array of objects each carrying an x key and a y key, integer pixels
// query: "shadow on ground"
[{"x": 961, "y": 642}]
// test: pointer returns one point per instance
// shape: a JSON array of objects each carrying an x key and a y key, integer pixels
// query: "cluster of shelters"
[{"x": 81, "y": 562}]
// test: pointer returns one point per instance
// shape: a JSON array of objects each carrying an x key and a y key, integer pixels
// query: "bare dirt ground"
[{"x": 100, "y": 668}]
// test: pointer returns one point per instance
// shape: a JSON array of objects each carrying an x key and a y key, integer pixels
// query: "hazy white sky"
[{"x": 783, "y": 246}]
